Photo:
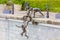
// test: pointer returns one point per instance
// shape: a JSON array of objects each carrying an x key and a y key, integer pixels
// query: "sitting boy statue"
[{"x": 8, "y": 8}]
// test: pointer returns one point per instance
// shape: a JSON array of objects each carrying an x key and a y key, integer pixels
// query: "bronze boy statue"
[{"x": 24, "y": 29}]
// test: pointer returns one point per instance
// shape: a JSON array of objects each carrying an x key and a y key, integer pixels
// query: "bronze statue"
[
  {"x": 24, "y": 31},
  {"x": 36, "y": 10},
  {"x": 24, "y": 26}
]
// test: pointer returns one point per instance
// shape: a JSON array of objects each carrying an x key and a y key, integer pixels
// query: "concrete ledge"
[
  {"x": 48, "y": 21},
  {"x": 40, "y": 20},
  {"x": 10, "y": 16}
]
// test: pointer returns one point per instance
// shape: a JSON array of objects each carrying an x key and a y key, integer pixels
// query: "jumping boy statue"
[
  {"x": 24, "y": 26},
  {"x": 26, "y": 20}
]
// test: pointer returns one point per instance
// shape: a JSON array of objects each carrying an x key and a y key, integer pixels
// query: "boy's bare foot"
[
  {"x": 21, "y": 34},
  {"x": 27, "y": 36}
]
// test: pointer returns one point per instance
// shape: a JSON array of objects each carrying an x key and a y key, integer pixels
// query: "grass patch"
[{"x": 54, "y": 5}]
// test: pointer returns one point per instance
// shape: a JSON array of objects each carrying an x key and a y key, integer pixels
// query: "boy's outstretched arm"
[{"x": 18, "y": 26}]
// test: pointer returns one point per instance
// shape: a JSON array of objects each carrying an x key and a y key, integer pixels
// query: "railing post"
[
  {"x": 47, "y": 11},
  {"x": 12, "y": 8}
]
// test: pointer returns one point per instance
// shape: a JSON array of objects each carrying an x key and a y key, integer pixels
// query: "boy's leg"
[
  {"x": 26, "y": 35},
  {"x": 22, "y": 33}
]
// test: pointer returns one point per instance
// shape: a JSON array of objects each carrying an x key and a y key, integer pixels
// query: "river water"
[{"x": 9, "y": 31}]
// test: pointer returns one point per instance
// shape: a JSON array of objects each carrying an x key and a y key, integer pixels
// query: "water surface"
[{"x": 9, "y": 31}]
